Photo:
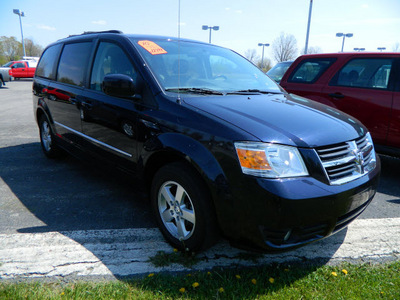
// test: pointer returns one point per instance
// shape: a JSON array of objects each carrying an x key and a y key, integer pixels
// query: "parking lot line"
[{"x": 126, "y": 252}]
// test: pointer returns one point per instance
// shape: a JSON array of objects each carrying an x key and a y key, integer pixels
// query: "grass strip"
[{"x": 345, "y": 281}]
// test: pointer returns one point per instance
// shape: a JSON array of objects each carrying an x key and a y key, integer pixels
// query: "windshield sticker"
[{"x": 152, "y": 47}]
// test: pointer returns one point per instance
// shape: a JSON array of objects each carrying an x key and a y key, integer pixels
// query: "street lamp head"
[
  {"x": 215, "y": 28},
  {"x": 204, "y": 27},
  {"x": 261, "y": 44},
  {"x": 18, "y": 12},
  {"x": 349, "y": 34},
  {"x": 339, "y": 34}
]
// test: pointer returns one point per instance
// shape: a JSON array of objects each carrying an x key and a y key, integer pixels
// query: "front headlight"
[{"x": 270, "y": 160}]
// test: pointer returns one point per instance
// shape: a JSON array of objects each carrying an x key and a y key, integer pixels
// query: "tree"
[
  {"x": 266, "y": 64},
  {"x": 32, "y": 49},
  {"x": 312, "y": 50},
  {"x": 284, "y": 47},
  {"x": 9, "y": 48},
  {"x": 251, "y": 55}
]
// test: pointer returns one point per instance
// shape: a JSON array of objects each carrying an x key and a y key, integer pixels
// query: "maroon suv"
[{"x": 364, "y": 85}]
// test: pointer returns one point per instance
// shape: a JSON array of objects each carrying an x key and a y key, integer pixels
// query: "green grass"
[{"x": 266, "y": 282}]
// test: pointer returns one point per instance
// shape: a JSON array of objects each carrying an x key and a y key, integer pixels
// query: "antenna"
[{"x": 179, "y": 51}]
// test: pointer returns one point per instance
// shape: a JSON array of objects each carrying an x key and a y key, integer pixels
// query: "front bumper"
[{"x": 280, "y": 215}]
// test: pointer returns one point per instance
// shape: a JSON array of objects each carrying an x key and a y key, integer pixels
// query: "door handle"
[
  {"x": 336, "y": 95},
  {"x": 87, "y": 104}
]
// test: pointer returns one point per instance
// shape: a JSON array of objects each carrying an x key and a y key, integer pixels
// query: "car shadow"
[{"x": 67, "y": 196}]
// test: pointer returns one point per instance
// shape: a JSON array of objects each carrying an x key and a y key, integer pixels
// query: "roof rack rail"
[{"x": 95, "y": 32}]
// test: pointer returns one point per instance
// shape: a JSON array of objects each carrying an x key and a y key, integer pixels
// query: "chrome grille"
[{"x": 349, "y": 160}]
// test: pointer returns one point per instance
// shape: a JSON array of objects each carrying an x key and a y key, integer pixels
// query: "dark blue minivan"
[{"x": 223, "y": 149}]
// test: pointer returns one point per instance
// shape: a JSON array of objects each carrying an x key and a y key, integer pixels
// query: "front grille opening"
[
  {"x": 346, "y": 161},
  {"x": 290, "y": 237}
]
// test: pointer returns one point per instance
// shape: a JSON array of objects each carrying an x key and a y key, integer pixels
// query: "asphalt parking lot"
[{"x": 40, "y": 198}]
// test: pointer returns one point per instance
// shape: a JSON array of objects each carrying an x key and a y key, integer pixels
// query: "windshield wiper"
[
  {"x": 195, "y": 91},
  {"x": 252, "y": 91}
]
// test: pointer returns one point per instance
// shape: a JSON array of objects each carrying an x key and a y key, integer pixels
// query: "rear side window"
[
  {"x": 365, "y": 73},
  {"x": 73, "y": 63},
  {"x": 309, "y": 70},
  {"x": 47, "y": 63}
]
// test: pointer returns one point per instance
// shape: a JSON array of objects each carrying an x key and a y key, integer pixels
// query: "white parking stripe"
[{"x": 126, "y": 252}]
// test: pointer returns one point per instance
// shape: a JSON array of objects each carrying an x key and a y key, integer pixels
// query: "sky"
[{"x": 243, "y": 23}]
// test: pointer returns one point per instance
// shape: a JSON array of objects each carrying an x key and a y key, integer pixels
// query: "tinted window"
[
  {"x": 73, "y": 62},
  {"x": 309, "y": 70},
  {"x": 110, "y": 59},
  {"x": 47, "y": 62},
  {"x": 19, "y": 65},
  {"x": 365, "y": 73}
]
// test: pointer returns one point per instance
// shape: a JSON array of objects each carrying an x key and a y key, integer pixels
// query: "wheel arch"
[{"x": 172, "y": 147}]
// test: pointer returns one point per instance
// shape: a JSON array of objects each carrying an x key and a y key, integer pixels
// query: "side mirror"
[{"x": 118, "y": 85}]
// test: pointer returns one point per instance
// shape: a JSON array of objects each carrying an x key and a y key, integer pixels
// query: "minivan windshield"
[{"x": 193, "y": 67}]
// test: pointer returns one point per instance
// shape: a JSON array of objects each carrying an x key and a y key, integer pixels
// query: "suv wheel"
[
  {"x": 182, "y": 207},
  {"x": 47, "y": 142}
]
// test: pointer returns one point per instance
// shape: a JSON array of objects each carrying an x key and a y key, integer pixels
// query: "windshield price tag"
[{"x": 152, "y": 47}]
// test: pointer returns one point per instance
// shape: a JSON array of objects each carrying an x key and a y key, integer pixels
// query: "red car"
[
  {"x": 23, "y": 68},
  {"x": 364, "y": 85}
]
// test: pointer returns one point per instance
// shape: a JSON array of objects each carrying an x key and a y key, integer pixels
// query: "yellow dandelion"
[
  {"x": 221, "y": 290},
  {"x": 237, "y": 276},
  {"x": 334, "y": 274},
  {"x": 254, "y": 281},
  {"x": 344, "y": 271},
  {"x": 286, "y": 270},
  {"x": 271, "y": 280},
  {"x": 195, "y": 284},
  {"x": 208, "y": 273},
  {"x": 188, "y": 275},
  {"x": 182, "y": 290},
  {"x": 62, "y": 294},
  {"x": 176, "y": 250},
  {"x": 151, "y": 275}
]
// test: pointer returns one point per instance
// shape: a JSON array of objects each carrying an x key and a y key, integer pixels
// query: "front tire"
[{"x": 183, "y": 210}]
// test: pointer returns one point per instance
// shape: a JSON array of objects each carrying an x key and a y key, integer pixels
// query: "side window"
[
  {"x": 110, "y": 59},
  {"x": 73, "y": 62},
  {"x": 365, "y": 73},
  {"x": 19, "y": 65},
  {"x": 309, "y": 70},
  {"x": 47, "y": 62}
]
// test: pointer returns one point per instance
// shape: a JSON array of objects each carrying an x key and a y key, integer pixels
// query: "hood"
[{"x": 282, "y": 118}]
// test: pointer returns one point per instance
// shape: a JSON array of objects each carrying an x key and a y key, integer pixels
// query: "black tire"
[
  {"x": 47, "y": 140},
  {"x": 183, "y": 208}
]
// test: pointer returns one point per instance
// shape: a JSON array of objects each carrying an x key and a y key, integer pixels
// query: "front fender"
[{"x": 186, "y": 147}]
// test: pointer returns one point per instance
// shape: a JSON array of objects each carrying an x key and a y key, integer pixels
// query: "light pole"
[
  {"x": 206, "y": 27},
  {"x": 262, "y": 57},
  {"x": 344, "y": 35},
  {"x": 20, "y": 14},
  {"x": 381, "y": 48},
  {"x": 308, "y": 27}
]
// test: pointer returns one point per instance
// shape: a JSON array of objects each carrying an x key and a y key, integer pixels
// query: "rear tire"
[
  {"x": 47, "y": 140},
  {"x": 183, "y": 208}
]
